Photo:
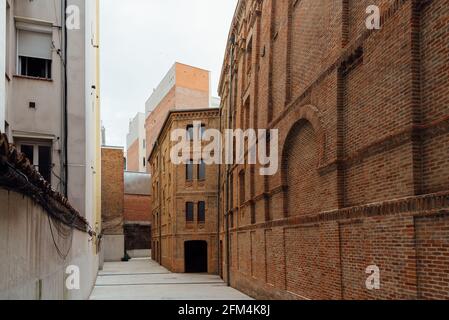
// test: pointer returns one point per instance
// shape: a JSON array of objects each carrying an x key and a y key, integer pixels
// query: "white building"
[
  {"x": 2, "y": 63},
  {"x": 136, "y": 145},
  {"x": 52, "y": 108}
]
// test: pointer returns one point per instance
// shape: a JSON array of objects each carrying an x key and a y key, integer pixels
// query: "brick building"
[
  {"x": 185, "y": 198},
  {"x": 183, "y": 88},
  {"x": 112, "y": 202},
  {"x": 137, "y": 214},
  {"x": 363, "y": 119}
]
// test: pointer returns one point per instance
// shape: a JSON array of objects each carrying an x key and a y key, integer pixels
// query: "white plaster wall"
[
  {"x": 137, "y": 132},
  {"x": 113, "y": 247},
  {"x": 2, "y": 63},
  {"x": 28, "y": 254},
  {"x": 81, "y": 153},
  {"x": 46, "y": 118},
  {"x": 82, "y": 142},
  {"x": 161, "y": 91}
]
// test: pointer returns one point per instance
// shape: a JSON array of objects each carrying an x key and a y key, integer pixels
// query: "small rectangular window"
[
  {"x": 189, "y": 170},
  {"x": 34, "y": 51},
  {"x": 40, "y": 157},
  {"x": 201, "y": 212},
  {"x": 34, "y": 67},
  {"x": 189, "y": 132},
  {"x": 242, "y": 186},
  {"x": 202, "y": 170},
  {"x": 189, "y": 212},
  {"x": 144, "y": 162}
]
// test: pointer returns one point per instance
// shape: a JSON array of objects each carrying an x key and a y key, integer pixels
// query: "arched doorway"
[{"x": 195, "y": 256}]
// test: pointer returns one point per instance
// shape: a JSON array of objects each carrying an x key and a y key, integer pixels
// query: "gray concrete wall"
[
  {"x": 29, "y": 259},
  {"x": 113, "y": 247}
]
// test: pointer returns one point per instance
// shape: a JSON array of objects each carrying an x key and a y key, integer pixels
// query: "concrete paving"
[{"x": 144, "y": 279}]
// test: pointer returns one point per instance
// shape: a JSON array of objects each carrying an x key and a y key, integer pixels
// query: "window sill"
[{"x": 32, "y": 78}]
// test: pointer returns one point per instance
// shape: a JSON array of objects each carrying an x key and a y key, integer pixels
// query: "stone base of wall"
[
  {"x": 113, "y": 247},
  {"x": 137, "y": 236},
  {"x": 330, "y": 255},
  {"x": 134, "y": 254}
]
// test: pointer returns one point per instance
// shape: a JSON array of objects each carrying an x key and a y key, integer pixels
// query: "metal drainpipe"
[
  {"x": 65, "y": 108},
  {"x": 220, "y": 265},
  {"x": 229, "y": 121},
  {"x": 160, "y": 202}
]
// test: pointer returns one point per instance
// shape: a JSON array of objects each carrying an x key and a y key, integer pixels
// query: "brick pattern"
[
  {"x": 364, "y": 132},
  {"x": 171, "y": 192},
  {"x": 190, "y": 91},
  {"x": 112, "y": 190},
  {"x": 137, "y": 208},
  {"x": 137, "y": 237}
]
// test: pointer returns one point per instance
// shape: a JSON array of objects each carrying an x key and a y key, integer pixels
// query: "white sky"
[{"x": 140, "y": 41}]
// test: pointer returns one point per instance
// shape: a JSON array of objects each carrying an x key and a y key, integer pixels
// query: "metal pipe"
[
  {"x": 65, "y": 105},
  {"x": 220, "y": 265},
  {"x": 160, "y": 202}
]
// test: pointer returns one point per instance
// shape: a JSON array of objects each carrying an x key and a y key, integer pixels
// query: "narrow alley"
[
  {"x": 144, "y": 279},
  {"x": 255, "y": 150}
]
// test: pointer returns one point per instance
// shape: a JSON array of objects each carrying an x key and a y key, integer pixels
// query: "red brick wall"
[
  {"x": 112, "y": 187},
  {"x": 363, "y": 119},
  {"x": 137, "y": 208},
  {"x": 171, "y": 191},
  {"x": 191, "y": 91}
]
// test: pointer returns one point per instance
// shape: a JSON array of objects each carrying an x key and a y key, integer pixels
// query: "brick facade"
[
  {"x": 137, "y": 208},
  {"x": 190, "y": 90},
  {"x": 112, "y": 190},
  {"x": 172, "y": 234},
  {"x": 363, "y": 119},
  {"x": 137, "y": 215}
]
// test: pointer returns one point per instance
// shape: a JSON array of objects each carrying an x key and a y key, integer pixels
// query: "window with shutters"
[{"x": 34, "y": 51}]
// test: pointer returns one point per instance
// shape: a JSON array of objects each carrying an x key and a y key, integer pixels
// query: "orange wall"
[
  {"x": 192, "y": 78},
  {"x": 191, "y": 91},
  {"x": 132, "y": 157}
]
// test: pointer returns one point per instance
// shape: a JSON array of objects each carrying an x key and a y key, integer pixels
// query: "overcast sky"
[{"x": 140, "y": 41}]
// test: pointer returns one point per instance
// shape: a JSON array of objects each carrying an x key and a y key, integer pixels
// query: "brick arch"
[
  {"x": 307, "y": 113},
  {"x": 304, "y": 133}
]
